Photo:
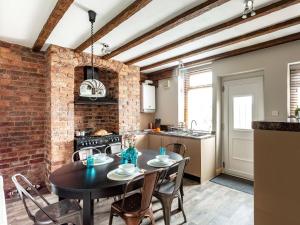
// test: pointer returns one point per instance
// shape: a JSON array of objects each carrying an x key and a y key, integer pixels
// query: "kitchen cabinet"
[
  {"x": 202, "y": 155},
  {"x": 147, "y": 98},
  {"x": 194, "y": 152},
  {"x": 154, "y": 142},
  {"x": 276, "y": 172},
  {"x": 201, "y": 151},
  {"x": 141, "y": 141},
  {"x": 169, "y": 140}
]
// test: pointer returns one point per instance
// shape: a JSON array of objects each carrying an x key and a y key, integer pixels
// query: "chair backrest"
[
  {"x": 179, "y": 168},
  {"x": 177, "y": 148},
  {"x": 83, "y": 153},
  {"x": 24, "y": 194},
  {"x": 149, "y": 184},
  {"x": 114, "y": 148}
]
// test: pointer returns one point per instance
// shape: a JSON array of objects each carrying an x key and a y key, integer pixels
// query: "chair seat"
[
  {"x": 132, "y": 203},
  {"x": 57, "y": 210},
  {"x": 166, "y": 188}
]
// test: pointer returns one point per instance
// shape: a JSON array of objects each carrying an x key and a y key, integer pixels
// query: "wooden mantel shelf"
[{"x": 100, "y": 101}]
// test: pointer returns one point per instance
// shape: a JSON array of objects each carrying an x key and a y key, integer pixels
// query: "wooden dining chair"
[
  {"x": 62, "y": 212},
  {"x": 83, "y": 153},
  {"x": 167, "y": 190},
  {"x": 136, "y": 204},
  {"x": 180, "y": 149}
]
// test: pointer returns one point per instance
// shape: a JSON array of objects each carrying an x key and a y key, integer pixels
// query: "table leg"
[{"x": 88, "y": 209}]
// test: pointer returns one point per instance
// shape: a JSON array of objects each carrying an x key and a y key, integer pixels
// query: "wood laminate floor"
[{"x": 207, "y": 204}]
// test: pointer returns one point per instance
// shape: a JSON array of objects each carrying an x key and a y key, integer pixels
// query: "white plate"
[
  {"x": 98, "y": 163},
  {"x": 112, "y": 175},
  {"x": 156, "y": 163},
  {"x": 122, "y": 173}
]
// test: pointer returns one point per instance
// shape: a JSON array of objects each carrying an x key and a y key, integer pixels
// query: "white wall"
[
  {"x": 274, "y": 63},
  {"x": 3, "y": 218}
]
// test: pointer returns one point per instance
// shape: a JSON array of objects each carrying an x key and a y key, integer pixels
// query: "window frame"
[{"x": 187, "y": 88}]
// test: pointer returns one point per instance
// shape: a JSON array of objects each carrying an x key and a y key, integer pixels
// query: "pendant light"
[
  {"x": 249, "y": 9},
  {"x": 92, "y": 88}
]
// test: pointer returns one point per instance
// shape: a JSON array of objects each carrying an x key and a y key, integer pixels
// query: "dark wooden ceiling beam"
[
  {"x": 236, "y": 52},
  {"x": 57, "y": 13},
  {"x": 218, "y": 28},
  {"x": 245, "y": 37},
  {"x": 182, "y": 18},
  {"x": 115, "y": 22}
]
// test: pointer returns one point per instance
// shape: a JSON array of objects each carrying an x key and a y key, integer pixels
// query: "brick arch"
[{"x": 85, "y": 60}]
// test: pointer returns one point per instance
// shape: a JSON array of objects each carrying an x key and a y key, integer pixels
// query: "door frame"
[{"x": 259, "y": 76}]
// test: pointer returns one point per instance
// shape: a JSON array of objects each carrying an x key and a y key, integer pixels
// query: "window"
[
  {"x": 294, "y": 89},
  {"x": 198, "y": 98},
  {"x": 242, "y": 112}
]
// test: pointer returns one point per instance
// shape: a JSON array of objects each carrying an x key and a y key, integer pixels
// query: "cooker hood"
[{"x": 86, "y": 97}]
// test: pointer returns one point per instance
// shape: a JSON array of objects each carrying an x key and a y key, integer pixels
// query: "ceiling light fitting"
[
  {"x": 105, "y": 49},
  {"x": 249, "y": 9},
  {"x": 92, "y": 88},
  {"x": 180, "y": 65}
]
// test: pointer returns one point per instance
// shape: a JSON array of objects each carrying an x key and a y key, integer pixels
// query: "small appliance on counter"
[
  {"x": 157, "y": 123},
  {"x": 165, "y": 127}
]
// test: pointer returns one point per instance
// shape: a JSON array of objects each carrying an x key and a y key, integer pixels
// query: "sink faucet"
[{"x": 193, "y": 121}]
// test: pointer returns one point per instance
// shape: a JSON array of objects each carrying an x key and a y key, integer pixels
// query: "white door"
[{"x": 243, "y": 103}]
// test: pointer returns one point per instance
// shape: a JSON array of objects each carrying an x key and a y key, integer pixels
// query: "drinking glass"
[
  {"x": 90, "y": 161},
  {"x": 162, "y": 151}
]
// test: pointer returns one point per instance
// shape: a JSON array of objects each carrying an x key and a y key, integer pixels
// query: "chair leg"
[
  {"x": 181, "y": 191},
  {"x": 78, "y": 220},
  {"x": 151, "y": 217},
  {"x": 181, "y": 208},
  {"x": 167, "y": 204},
  {"x": 111, "y": 217}
]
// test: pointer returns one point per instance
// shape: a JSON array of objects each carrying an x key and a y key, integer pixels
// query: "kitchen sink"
[{"x": 185, "y": 133}]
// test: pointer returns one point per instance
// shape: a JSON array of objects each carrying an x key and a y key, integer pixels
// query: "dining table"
[{"x": 76, "y": 181}]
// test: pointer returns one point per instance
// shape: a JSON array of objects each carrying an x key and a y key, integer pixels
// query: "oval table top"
[{"x": 74, "y": 179}]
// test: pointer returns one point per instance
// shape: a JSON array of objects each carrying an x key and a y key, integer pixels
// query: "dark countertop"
[
  {"x": 288, "y": 125},
  {"x": 174, "y": 134}
]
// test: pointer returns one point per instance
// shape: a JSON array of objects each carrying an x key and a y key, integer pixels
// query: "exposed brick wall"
[
  {"x": 62, "y": 65},
  {"x": 22, "y": 113},
  {"x": 129, "y": 99},
  {"x": 97, "y": 116},
  {"x": 37, "y": 112}
]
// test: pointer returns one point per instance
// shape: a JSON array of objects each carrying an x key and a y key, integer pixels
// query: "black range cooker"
[{"x": 114, "y": 141}]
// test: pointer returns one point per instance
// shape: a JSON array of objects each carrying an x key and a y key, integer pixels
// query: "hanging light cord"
[{"x": 92, "y": 48}]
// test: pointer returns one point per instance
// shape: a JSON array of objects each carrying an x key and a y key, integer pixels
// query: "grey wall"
[{"x": 274, "y": 63}]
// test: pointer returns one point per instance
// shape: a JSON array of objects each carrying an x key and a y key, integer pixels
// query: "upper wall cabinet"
[{"x": 147, "y": 98}]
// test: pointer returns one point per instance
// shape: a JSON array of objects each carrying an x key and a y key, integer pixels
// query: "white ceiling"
[{"x": 21, "y": 21}]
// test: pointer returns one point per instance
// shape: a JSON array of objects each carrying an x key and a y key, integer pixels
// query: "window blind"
[{"x": 294, "y": 87}]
